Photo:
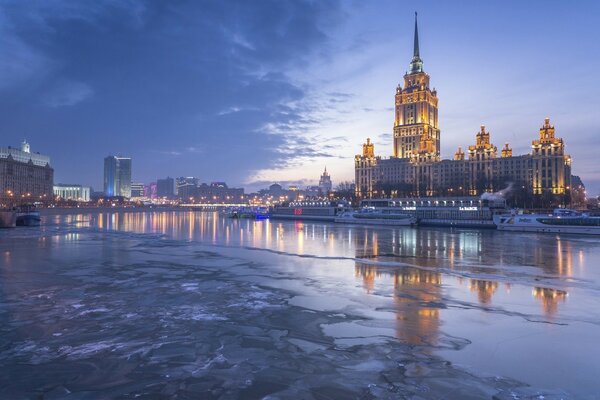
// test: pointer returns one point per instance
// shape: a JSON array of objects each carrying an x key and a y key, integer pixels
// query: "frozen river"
[{"x": 189, "y": 305}]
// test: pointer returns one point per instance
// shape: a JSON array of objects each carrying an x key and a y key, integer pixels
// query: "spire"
[
  {"x": 416, "y": 65},
  {"x": 416, "y": 45}
]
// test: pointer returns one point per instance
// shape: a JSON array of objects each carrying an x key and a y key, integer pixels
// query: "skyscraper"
[
  {"x": 417, "y": 169},
  {"x": 117, "y": 176},
  {"x": 416, "y": 119},
  {"x": 325, "y": 185}
]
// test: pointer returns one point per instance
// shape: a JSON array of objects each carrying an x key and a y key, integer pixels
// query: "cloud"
[
  {"x": 19, "y": 62},
  {"x": 68, "y": 94},
  {"x": 159, "y": 78}
]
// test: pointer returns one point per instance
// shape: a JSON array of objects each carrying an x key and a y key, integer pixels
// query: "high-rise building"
[
  {"x": 416, "y": 169},
  {"x": 416, "y": 118},
  {"x": 325, "y": 185},
  {"x": 117, "y": 176},
  {"x": 25, "y": 177},
  {"x": 165, "y": 187}
]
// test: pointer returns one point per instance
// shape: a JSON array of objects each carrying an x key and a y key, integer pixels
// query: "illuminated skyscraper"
[
  {"x": 117, "y": 176},
  {"x": 416, "y": 169},
  {"x": 416, "y": 118}
]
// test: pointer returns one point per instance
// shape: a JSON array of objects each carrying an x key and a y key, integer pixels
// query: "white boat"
[
  {"x": 372, "y": 216},
  {"x": 560, "y": 221}
]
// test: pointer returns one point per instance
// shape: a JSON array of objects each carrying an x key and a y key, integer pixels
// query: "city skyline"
[{"x": 252, "y": 104}]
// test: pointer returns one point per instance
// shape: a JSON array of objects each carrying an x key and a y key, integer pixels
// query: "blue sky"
[{"x": 252, "y": 92}]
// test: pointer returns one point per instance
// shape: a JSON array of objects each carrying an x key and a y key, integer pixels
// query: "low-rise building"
[{"x": 64, "y": 191}]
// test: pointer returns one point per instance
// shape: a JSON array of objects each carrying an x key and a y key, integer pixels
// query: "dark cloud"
[{"x": 153, "y": 79}]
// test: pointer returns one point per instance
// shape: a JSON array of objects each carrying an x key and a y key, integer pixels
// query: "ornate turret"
[
  {"x": 459, "y": 155},
  {"x": 551, "y": 165},
  {"x": 547, "y": 133},
  {"x": 368, "y": 149},
  {"x": 506, "y": 151},
  {"x": 483, "y": 147},
  {"x": 364, "y": 167},
  {"x": 25, "y": 147}
]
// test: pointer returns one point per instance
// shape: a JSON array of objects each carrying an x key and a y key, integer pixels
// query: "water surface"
[{"x": 181, "y": 304}]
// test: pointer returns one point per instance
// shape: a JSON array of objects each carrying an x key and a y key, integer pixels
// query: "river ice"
[{"x": 188, "y": 305}]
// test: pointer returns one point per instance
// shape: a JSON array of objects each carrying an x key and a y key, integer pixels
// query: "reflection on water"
[
  {"x": 484, "y": 252},
  {"x": 549, "y": 299},
  {"x": 484, "y": 289},
  {"x": 476, "y": 251},
  {"x": 418, "y": 282}
]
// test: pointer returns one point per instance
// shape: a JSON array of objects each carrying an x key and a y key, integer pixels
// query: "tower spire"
[
  {"x": 416, "y": 65},
  {"x": 416, "y": 44}
]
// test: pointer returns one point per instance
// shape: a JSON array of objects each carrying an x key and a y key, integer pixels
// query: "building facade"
[
  {"x": 325, "y": 184},
  {"x": 416, "y": 168},
  {"x": 25, "y": 177},
  {"x": 137, "y": 190},
  {"x": 72, "y": 192},
  {"x": 216, "y": 192},
  {"x": 165, "y": 187},
  {"x": 117, "y": 176}
]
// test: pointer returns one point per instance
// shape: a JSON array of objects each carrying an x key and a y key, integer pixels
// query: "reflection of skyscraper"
[
  {"x": 117, "y": 176},
  {"x": 485, "y": 290},
  {"x": 416, "y": 294},
  {"x": 417, "y": 316},
  {"x": 549, "y": 298}
]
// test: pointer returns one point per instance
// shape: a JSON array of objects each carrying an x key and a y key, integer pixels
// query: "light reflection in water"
[
  {"x": 549, "y": 299},
  {"x": 471, "y": 251},
  {"x": 417, "y": 295},
  {"x": 484, "y": 289}
]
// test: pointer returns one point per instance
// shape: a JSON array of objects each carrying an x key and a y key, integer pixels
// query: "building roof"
[{"x": 24, "y": 157}]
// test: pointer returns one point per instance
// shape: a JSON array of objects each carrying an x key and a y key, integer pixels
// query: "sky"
[{"x": 256, "y": 92}]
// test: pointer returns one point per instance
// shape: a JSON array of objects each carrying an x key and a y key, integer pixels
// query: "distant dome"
[{"x": 275, "y": 186}]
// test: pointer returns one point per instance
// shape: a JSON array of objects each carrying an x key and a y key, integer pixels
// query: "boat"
[
  {"x": 27, "y": 215},
  {"x": 560, "y": 221},
  {"x": 8, "y": 219},
  {"x": 372, "y": 216},
  {"x": 317, "y": 210},
  {"x": 247, "y": 212},
  {"x": 457, "y": 212}
]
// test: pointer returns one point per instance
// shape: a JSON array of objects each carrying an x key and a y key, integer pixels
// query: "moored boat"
[
  {"x": 457, "y": 212},
  {"x": 560, "y": 221},
  {"x": 27, "y": 215},
  {"x": 372, "y": 216},
  {"x": 313, "y": 210},
  {"x": 247, "y": 212}
]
